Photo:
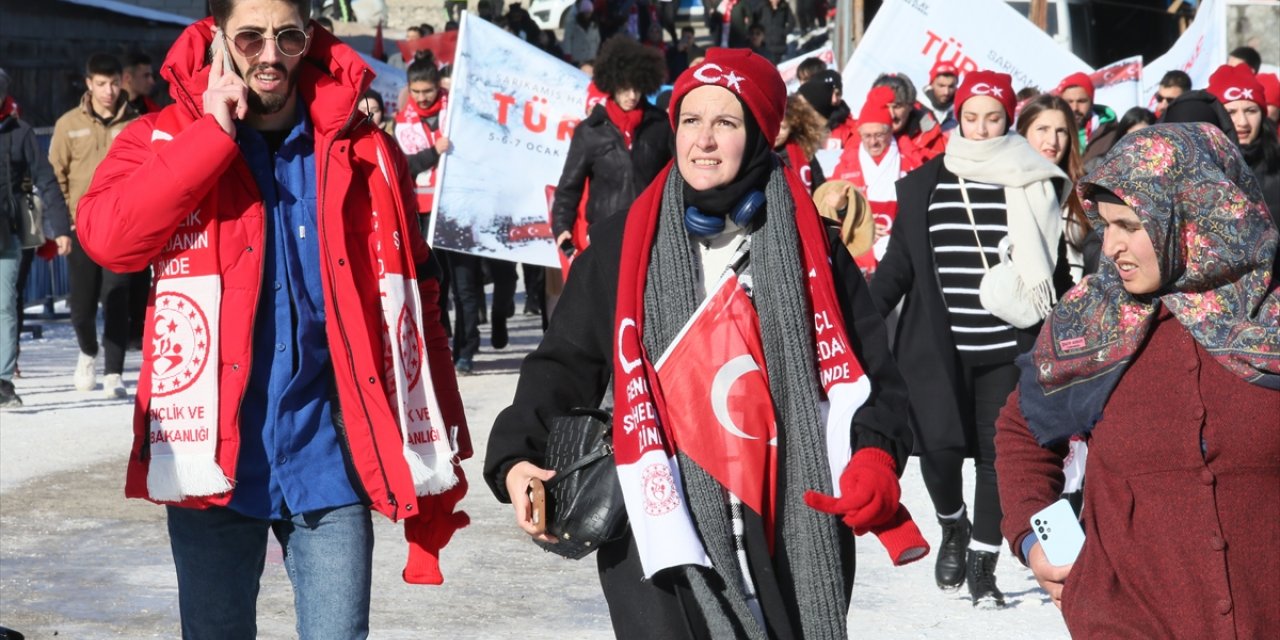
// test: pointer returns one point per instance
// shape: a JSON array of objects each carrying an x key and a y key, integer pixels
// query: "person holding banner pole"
[
  {"x": 989, "y": 202},
  {"x": 722, "y": 268}
]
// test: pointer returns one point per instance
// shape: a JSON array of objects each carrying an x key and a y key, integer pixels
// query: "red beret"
[
  {"x": 943, "y": 69},
  {"x": 876, "y": 108},
  {"x": 992, "y": 84},
  {"x": 1077, "y": 79},
  {"x": 1229, "y": 84},
  {"x": 1271, "y": 87},
  {"x": 752, "y": 78}
]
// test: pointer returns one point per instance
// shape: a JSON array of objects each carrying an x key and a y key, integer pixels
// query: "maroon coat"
[{"x": 1178, "y": 544}]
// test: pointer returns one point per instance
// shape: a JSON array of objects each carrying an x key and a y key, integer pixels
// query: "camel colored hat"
[{"x": 858, "y": 227}]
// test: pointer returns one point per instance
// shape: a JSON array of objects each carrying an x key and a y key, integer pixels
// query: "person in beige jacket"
[{"x": 81, "y": 138}]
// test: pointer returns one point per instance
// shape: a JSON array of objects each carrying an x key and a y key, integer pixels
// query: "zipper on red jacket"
[{"x": 337, "y": 311}]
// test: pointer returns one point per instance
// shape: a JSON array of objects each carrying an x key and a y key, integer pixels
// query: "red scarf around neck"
[
  {"x": 9, "y": 106},
  {"x": 625, "y": 121}
]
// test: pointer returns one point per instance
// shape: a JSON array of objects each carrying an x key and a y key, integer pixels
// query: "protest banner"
[
  {"x": 388, "y": 81},
  {"x": 511, "y": 113},
  {"x": 910, "y": 36},
  {"x": 1117, "y": 85},
  {"x": 787, "y": 68},
  {"x": 1199, "y": 50}
]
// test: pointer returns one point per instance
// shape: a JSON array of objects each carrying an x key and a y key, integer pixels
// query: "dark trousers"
[
  {"x": 439, "y": 266},
  {"x": 468, "y": 294},
  {"x": 504, "y": 278},
  {"x": 91, "y": 285},
  {"x": 642, "y": 609},
  {"x": 139, "y": 291},
  {"x": 535, "y": 288},
  {"x": 988, "y": 387}
]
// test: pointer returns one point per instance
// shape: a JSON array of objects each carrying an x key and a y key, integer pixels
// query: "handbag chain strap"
[{"x": 968, "y": 208}]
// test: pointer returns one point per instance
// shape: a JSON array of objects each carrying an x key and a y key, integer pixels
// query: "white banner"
[
  {"x": 388, "y": 81},
  {"x": 1117, "y": 85},
  {"x": 511, "y": 113},
  {"x": 1199, "y": 50},
  {"x": 910, "y": 36},
  {"x": 787, "y": 68}
]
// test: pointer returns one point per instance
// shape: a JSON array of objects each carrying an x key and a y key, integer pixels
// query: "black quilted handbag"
[{"x": 584, "y": 499}]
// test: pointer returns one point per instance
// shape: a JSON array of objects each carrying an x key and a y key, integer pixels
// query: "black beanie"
[
  {"x": 1201, "y": 106},
  {"x": 818, "y": 93}
]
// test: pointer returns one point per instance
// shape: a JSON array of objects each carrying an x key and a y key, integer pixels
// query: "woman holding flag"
[{"x": 751, "y": 382}]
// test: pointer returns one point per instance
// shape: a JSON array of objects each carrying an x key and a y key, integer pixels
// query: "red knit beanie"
[
  {"x": 753, "y": 79},
  {"x": 1229, "y": 84},
  {"x": 943, "y": 69},
  {"x": 1271, "y": 87},
  {"x": 992, "y": 84},
  {"x": 876, "y": 108},
  {"x": 1077, "y": 79}
]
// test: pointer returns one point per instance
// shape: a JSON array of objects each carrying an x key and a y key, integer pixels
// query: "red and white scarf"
[
  {"x": 414, "y": 136},
  {"x": 647, "y": 469},
  {"x": 183, "y": 413}
]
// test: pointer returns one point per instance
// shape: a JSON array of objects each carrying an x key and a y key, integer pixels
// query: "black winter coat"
[
  {"x": 617, "y": 175},
  {"x": 925, "y": 352},
  {"x": 19, "y": 149},
  {"x": 778, "y": 24}
]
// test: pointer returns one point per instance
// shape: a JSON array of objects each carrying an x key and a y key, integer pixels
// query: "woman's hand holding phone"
[
  {"x": 227, "y": 97},
  {"x": 1050, "y": 576}
]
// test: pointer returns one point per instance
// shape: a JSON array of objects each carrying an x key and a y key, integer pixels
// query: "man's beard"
[{"x": 269, "y": 103}]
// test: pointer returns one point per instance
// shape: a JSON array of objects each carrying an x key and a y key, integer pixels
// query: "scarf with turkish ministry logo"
[
  {"x": 182, "y": 368},
  {"x": 658, "y": 416},
  {"x": 413, "y": 135}
]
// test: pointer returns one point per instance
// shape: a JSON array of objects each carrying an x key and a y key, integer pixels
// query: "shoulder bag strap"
[{"x": 968, "y": 208}]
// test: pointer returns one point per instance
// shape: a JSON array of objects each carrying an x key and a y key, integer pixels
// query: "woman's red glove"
[
  {"x": 430, "y": 530},
  {"x": 869, "y": 492}
]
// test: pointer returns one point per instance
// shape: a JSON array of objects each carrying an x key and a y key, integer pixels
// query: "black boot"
[
  {"x": 8, "y": 396},
  {"x": 948, "y": 571},
  {"x": 982, "y": 579}
]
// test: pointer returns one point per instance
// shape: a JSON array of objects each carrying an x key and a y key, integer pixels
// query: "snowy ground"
[{"x": 77, "y": 560}]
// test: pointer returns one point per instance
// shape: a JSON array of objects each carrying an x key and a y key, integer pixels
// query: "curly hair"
[
  {"x": 624, "y": 63},
  {"x": 806, "y": 126}
]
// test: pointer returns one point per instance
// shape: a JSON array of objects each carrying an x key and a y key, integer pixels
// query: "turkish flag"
[
  {"x": 719, "y": 410},
  {"x": 442, "y": 45}
]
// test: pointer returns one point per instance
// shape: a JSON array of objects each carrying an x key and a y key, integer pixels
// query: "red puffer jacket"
[{"x": 141, "y": 193}]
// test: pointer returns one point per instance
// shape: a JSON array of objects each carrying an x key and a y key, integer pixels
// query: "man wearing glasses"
[
  {"x": 296, "y": 375},
  {"x": 873, "y": 166},
  {"x": 1172, "y": 85}
]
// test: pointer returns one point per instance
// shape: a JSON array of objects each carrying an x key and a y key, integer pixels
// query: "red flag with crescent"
[{"x": 719, "y": 409}]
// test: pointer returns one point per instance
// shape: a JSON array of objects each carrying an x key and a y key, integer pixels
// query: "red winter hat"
[
  {"x": 943, "y": 69},
  {"x": 876, "y": 108},
  {"x": 1229, "y": 84},
  {"x": 992, "y": 84},
  {"x": 1077, "y": 79},
  {"x": 753, "y": 79},
  {"x": 1270, "y": 87}
]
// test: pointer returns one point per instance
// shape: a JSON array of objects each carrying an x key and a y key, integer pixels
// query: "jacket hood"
[{"x": 332, "y": 75}]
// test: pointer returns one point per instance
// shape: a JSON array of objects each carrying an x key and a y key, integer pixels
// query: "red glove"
[
  {"x": 430, "y": 530},
  {"x": 869, "y": 492},
  {"x": 48, "y": 250}
]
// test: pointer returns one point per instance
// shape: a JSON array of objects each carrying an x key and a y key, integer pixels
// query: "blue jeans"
[
  {"x": 219, "y": 555},
  {"x": 10, "y": 262}
]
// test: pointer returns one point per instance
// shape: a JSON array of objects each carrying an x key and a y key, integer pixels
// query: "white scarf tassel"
[{"x": 174, "y": 479}]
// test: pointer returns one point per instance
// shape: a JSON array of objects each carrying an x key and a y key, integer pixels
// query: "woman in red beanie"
[
  {"x": 1244, "y": 98},
  {"x": 974, "y": 258},
  {"x": 727, "y": 319}
]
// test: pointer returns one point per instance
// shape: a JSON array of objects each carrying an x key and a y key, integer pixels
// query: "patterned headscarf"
[{"x": 1216, "y": 244}]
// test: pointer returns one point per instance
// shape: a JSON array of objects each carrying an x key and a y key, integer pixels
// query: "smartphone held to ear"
[
  {"x": 220, "y": 44},
  {"x": 1058, "y": 531}
]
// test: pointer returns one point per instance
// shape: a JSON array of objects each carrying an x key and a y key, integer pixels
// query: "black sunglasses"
[{"x": 290, "y": 42}]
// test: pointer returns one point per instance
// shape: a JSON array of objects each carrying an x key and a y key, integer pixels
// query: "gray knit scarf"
[{"x": 807, "y": 550}]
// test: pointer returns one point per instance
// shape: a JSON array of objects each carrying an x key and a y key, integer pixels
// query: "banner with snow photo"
[
  {"x": 512, "y": 110},
  {"x": 910, "y": 36}
]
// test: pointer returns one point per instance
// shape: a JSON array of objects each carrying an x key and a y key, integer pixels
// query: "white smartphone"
[{"x": 1058, "y": 531}]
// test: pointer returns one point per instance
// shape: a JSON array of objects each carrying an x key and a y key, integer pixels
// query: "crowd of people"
[{"x": 989, "y": 272}]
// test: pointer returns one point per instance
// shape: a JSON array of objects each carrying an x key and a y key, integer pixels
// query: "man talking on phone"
[{"x": 296, "y": 374}]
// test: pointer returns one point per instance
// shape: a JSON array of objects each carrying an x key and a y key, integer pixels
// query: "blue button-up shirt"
[{"x": 290, "y": 460}]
